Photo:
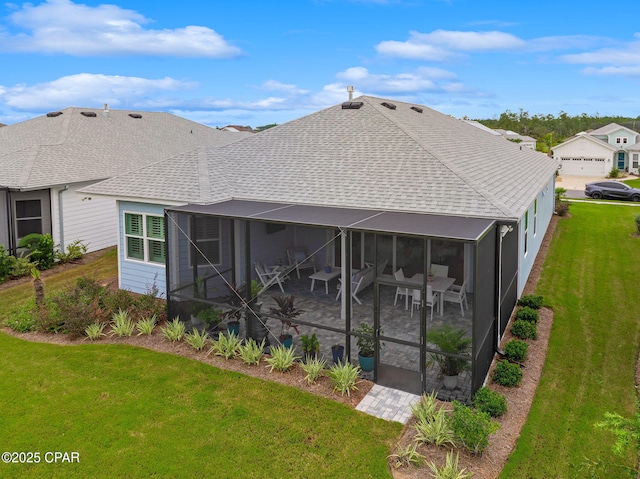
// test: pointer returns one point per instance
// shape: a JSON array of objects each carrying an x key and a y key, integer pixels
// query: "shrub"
[
  {"x": 507, "y": 374},
  {"x": 562, "y": 208},
  {"x": 122, "y": 325},
  {"x": 614, "y": 173},
  {"x": 450, "y": 469},
  {"x": 119, "y": 300},
  {"x": 251, "y": 352},
  {"x": 409, "y": 456},
  {"x": 73, "y": 311},
  {"x": 637, "y": 218},
  {"x": 95, "y": 331},
  {"x": 527, "y": 314},
  {"x": 23, "y": 318},
  {"x": 524, "y": 329},
  {"x": 435, "y": 429},
  {"x": 196, "y": 339},
  {"x": 227, "y": 346},
  {"x": 314, "y": 368},
  {"x": 531, "y": 300},
  {"x": 75, "y": 251},
  {"x": 174, "y": 331},
  {"x": 491, "y": 402},
  {"x": 6, "y": 262},
  {"x": 42, "y": 254},
  {"x": 344, "y": 377},
  {"x": 146, "y": 325},
  {"x": 472, "y": 427},
  {"x": 19, "y": 267},
  {"x": 426, "y": 407},
  {"x": 516, "y": 350}
]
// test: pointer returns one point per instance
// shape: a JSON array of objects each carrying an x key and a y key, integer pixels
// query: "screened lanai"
[{"x": 395, "y": 261}]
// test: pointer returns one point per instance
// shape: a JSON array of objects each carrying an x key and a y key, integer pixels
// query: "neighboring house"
[
  {"x": 45, "y": 160},
  {"x": 524, "y": 141},
  {"x": 597, "y": 152},
  {"x": 238, "y": 128},
  {"x": 368, "y": 185}
]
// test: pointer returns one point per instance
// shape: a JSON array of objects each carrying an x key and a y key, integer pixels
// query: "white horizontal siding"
[{"x": 90, "y": 219}]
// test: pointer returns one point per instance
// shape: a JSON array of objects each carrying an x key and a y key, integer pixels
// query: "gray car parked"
[{"x": 613, "y": 190}]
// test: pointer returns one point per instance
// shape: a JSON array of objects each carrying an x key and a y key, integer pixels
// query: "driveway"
[{"x": 575, "y": 184}]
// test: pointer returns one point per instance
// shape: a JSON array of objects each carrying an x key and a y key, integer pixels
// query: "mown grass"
[
  {"x": 130, "y": 412},
  {"x": 635, "y": 183},
  {"x": 590, "y": 279}
]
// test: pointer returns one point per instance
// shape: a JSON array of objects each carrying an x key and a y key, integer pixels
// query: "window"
[
  {"x": 624, "y": 140},
  {"x": 28, "y": 217},
  {"x": 535, "y": 216},
  {"x": 205, "y": 233},
  {"x": 144, "y": 237},
  {"x": 635, "y": 160},
  {"x": 618, "y": 140}
]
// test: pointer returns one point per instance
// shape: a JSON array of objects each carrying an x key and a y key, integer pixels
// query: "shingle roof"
[
  {"x": 72, "y": 147},
  {"x": 610, "y": 128},
  {"x": 371, "y": 157}
]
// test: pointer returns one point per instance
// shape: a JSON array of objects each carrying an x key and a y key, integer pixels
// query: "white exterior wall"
[
  {"x": 546, "y": 206},
  {"x": 585, "y": 158},
  {"x": 90, "y": 219}
]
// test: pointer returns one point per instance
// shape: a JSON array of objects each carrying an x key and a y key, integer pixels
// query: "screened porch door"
[{"x": 399, "y": 353}]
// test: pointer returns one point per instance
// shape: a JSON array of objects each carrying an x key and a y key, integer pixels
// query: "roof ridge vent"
[
  {"x": 135, "y": 115},
  {"x": 90, "y": 114},
  {"x": 53, "y": 114},
  {"x": 352, "y": 105},
  {"x": 390, "y": 106},
  {"x": 417, "y": 108}
]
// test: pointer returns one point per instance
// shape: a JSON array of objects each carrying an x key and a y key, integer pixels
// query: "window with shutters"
[
  {"x": 144, "y": 237},
  {"x": 205, "y": 233}
]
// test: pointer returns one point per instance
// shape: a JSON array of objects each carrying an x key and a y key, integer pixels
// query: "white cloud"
[
  {"x": 85, "y": 89},
  {"x": 421, "y": 79},
  {"x": 61, "y": 26},
  {"x": 441, "y": 45},
  {"x": 614, "y": 71},
  {"x": 273, "y": 85}
]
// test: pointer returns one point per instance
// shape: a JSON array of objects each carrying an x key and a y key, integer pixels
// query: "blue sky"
[{"x": 255, "y": 63}]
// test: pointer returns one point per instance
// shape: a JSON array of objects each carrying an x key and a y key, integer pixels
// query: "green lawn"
[
  {"x": 131, "y": 412},
  {"x": 591, "y": 279},
  {"x": 635, "y": 183}
]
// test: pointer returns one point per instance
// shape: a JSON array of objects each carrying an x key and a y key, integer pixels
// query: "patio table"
[
  {"x": 439, "y": 284},
  {"x": 322, "y": 275}
]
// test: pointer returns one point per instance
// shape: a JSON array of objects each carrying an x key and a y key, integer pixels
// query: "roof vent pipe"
[
  {"x": 350, "y": 91},
  {"x": 105, "y": 112}
]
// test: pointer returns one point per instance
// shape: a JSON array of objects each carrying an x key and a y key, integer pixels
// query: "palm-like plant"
[{"x": 453, "y": 341}]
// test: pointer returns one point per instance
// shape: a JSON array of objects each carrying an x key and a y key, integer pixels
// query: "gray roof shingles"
[
  {"x": 372, "y": 157},
  {"x": 71, "y": 148}
]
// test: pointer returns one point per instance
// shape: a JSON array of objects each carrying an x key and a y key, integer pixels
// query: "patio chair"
[
  {"x": 400, "y": 291},
  {"x": 268, "y": 277},
  {"x": 440, "y": 270},
  {"x": 300, "y": 260},
  {"x": 430, "y": 300},
  {"x": 457, "y": 294}
]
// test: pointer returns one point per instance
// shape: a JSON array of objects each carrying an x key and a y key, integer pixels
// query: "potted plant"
[
  {"x": 337, "y": 351},
  {"x": 310, "y": 345},
  {"x": 366, "y": 345},
  {"x": 286, "y": 312},
  {"x": 453, "y": 341},
  {"x": 212, "y": 317}
]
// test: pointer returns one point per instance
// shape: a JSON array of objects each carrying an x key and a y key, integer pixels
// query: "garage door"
[{"x": 582, "y": 166}]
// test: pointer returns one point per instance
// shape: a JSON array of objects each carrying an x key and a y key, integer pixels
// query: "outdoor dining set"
[{"x": 440, "y": 287}]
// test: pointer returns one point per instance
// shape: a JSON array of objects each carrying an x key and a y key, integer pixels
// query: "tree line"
[{"x": 550, "y": 130}]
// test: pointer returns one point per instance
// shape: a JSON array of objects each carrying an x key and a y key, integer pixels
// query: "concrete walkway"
[{"x": 387, "y": 403}]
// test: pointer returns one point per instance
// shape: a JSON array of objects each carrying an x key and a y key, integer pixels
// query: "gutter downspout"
[
  {"x": 60, "y": 218},
  {"x": 504, "y": 229},
  {"x": 7, "y": 198}
]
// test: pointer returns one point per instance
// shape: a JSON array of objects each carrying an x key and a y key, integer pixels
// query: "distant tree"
[{"x": 265, "y": 127}]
